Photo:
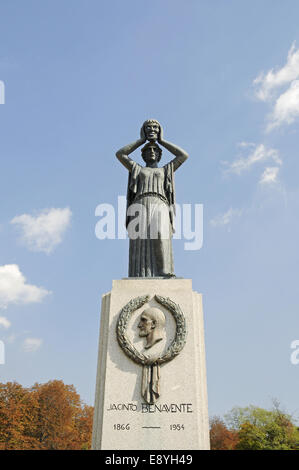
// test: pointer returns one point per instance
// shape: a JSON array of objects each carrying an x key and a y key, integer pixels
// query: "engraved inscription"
[
  {"x": 164, "y": 408},
  {"x": 152, "y": 408},
  {"x": 122, "y": 407}
]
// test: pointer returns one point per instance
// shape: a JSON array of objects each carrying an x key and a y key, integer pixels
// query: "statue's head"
[
  {"x": 151, "y": 326},
  {"x": 151, "y": 129},
  {"x": 151, "y": 153}
]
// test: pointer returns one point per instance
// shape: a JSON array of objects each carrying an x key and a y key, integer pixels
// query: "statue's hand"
[
  {"x": 161, "y": 134},
  {"x": 142, "y": 135}
]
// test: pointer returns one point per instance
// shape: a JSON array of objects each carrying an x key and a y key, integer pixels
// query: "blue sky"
[{"x": 80, "y": 78}]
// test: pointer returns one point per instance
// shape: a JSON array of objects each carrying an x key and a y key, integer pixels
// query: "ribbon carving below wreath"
[{"x": 150, "y": 389}]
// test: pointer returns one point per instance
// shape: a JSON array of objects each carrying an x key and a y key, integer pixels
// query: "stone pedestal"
[{"x": 176, "y": 418}]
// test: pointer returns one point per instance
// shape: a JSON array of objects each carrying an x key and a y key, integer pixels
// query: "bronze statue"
[{"x": 151, "y": 203}]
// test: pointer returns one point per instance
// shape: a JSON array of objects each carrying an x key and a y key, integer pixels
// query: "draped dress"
[{"x": 150, "y": 214}]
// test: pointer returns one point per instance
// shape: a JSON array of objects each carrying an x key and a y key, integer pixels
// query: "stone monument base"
[{"x": 174, "y": 414}]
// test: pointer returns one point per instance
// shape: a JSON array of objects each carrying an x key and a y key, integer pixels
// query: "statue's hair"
[
  {"x": 151, "y": 121},
  {"x": 149, "y": 145}
]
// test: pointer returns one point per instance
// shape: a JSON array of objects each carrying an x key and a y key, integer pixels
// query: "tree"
[
  {"x": 45, "y": 416},
  {"x": 221, "y": 438},
  {"x": 18, "y": 410},
  {"x": 83, "y": 426},
  {"x": 260, "y": 429}
]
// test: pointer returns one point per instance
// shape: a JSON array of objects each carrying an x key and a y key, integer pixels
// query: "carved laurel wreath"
[{"x": 177, "y": 344}]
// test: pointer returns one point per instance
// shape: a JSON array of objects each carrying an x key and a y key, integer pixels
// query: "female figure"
[{"x": 151, "y": 203}]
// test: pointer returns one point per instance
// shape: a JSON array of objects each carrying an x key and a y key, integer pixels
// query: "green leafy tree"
[{"x": 260, "y": 429}]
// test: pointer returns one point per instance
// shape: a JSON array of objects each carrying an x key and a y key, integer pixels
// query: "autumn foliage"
[
  {"x": 45, "y": 416},
  {"x": 222, "y": 438}
]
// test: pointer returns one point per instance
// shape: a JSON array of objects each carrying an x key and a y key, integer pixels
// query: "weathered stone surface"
[{"x": 178, "y": 418}]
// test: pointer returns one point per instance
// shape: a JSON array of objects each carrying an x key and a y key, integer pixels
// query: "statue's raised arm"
[
  {"x": 180, "y": 154},
  {"x": 122, "y": 154}
]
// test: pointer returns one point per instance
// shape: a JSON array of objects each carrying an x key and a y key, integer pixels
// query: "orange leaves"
[
  {"x": 222, "y": 438},
  {"x": 45, "y": 416}
]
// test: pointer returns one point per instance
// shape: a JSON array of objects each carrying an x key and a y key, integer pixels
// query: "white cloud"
[
  {"x": 4, "y": 322},
  {"x": 284, "y": 101},
  {"x": 226, "y": 218},
  {"x": 270, "y": 175},
  {"x": 272, "y": 80},
  {"x": 286, "y": 108},
  {"x": 246, "y": 144},
  {"x": 32, "y": 344},
  {"x": 256, "y": 154},
  {"x": 15, "y": 290},
  {"x": 45, "y": 231}
]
